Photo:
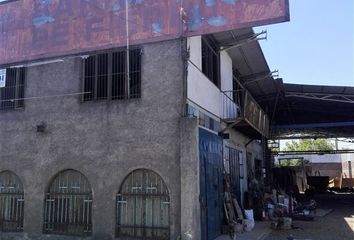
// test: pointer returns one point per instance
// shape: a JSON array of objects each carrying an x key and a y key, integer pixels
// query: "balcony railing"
[
  {"x": 231, "y": 106},
  {"x": 240, "y": 106}
]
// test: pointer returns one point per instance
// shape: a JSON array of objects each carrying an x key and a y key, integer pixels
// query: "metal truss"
[
  {"x": 342, "y": 98},
  {"x": 319, "y": 152}
]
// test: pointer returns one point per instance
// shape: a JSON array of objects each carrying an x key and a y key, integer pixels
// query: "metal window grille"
[
  {"x": 143, "y": 207},
  {"x": 68, "y": 205},
  {"x": 11, "y": 203},
  {"x": 11, "y": 96},
  {"x": 233, "y": 166},
  {"x": 105, "y": 76},
  {"x": 210, "y": 60}
]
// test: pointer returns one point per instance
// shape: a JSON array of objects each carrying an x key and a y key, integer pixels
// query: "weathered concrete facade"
[{"x": 103, "y": 140}]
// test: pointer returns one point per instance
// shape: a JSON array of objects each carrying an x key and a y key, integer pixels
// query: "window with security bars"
[
  {"x": 233, "y": 164},
  {"x": 105, "y": 76},
  {"x": 68, "y": 205},
  {"x": 210, "y": 60},
  {"x": 143, "y": 205},
  {"x": 11, "y": 202},
  {"x": 12, "y": 95}
]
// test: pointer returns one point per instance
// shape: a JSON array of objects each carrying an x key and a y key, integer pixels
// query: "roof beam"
[
  {"x": 314, "y": 125},
  {"x": 323, "y": 97},
  {"x": 246, "y": 40}
]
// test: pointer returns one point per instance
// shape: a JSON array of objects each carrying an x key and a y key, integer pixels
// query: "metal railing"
[
  {"x": 231, "y": 105},
  {"x": 68, "y": 214},
  {"x": 241, "y": 105},
  {"x": 11, "y": 212}
]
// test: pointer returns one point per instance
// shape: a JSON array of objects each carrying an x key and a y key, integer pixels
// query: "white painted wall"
[
  {"x": 203, "y": 92},
  {"x": 194, "y": 45},
  {"x": 226, "y": 72},
  {"x": 200, "y": 90}
]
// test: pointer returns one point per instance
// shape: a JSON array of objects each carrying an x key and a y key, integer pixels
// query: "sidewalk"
[{"x": 260, "y": 232}]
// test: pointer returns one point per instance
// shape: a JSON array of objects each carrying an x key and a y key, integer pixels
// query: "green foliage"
[{"x": 309, "y": 145}]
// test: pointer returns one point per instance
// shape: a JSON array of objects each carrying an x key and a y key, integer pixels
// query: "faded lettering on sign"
[{"x": 34, "y": 29}]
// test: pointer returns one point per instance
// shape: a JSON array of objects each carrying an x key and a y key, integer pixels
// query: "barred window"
[
  {"x": 11, "y": 202},
  {"x": 210, "y": 60},
  {"x": 11, "y": 96},
  {"x": 233, "y": 164},
  {"x": 105, "y": 76},
  {"x": 68, "y": 205},
  {"x": 143, "y": 205}
]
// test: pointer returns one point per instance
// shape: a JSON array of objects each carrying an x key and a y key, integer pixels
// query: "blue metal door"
[{"x": 211, "y": 183}]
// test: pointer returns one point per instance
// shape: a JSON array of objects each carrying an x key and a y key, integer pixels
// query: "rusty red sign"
[{"x": 38, "y": 29}]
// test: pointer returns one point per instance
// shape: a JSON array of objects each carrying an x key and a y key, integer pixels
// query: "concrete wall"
[
  {"x": 332, "y": 165},
  {"x": 190, "y": 180},
  {"x": 103, "y": 140},
  {"x": 348, "y": 165},
  {"x": 327, "y": 169}
]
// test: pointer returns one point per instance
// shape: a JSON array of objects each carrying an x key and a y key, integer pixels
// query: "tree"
[{"x": 309, "y": 145}]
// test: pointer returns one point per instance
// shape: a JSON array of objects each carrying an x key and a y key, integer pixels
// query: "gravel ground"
[{"x": 337, "y": 225}]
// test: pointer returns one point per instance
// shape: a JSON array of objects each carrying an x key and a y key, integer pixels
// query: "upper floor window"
[
  {"x": 210, "y": 60},
  {"x": 12, "y": 88},
  {"x": 105, "y": 75}
]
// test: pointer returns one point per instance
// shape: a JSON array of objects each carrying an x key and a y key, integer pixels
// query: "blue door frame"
[{"x": 211, "y": 183}]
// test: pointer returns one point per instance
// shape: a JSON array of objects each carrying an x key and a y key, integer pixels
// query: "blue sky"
[{"x": 316, "y": 46}]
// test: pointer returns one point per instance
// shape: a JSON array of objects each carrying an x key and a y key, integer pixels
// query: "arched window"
[
  {"x": 11, "y": 202},
  {"x": 143, "y": 205},
  {"x": 68, "y": 205}
]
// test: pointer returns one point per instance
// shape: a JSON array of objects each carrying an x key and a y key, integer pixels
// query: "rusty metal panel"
[
  {"x": 255, "y": 116},
  {"x": 36, "y": 29}
]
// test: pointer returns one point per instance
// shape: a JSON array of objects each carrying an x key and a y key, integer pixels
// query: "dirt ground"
[{"x": 337, "y": 225}]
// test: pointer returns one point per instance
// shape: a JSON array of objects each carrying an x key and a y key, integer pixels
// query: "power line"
[{"x": 47, "y": 96}]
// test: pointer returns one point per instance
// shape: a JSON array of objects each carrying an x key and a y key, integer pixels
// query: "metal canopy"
[
  {"x": 295, "y": 110},
  {"x": 248, "y": 59},
  {"x": 311, "y": 111}
]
